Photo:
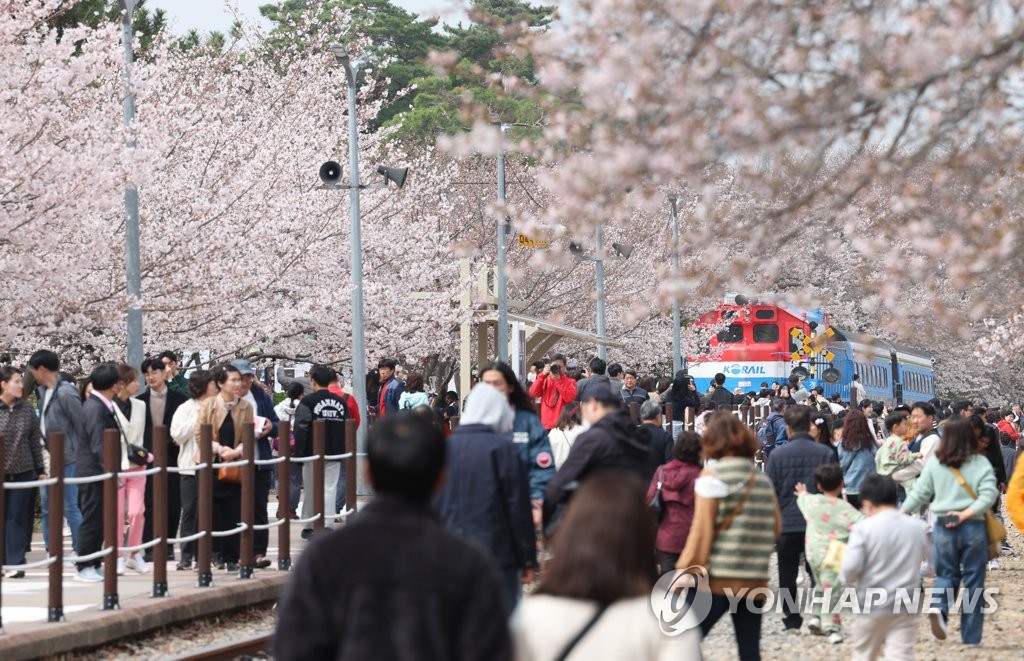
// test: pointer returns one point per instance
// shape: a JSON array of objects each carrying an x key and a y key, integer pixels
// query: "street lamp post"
[
  {"x": 502, "y": 337},
  {"x": 358, "y": 333},
  {"x": 602, "y": 350},
  {"x": 677, "y": 359},
  {"x": 622, "y": 251},
  {"x": 133, "y": 262}
]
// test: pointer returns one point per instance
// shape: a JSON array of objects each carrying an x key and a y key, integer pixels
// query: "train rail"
[{"x": 256, "y": 647}]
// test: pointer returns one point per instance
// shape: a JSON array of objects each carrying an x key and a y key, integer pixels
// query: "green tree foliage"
[
  {"x": 422, "y": 103},
  {"x": 147, "y": 24},
  {"x": 401, "y": 41},
  {"x": 444, "y": 101}
]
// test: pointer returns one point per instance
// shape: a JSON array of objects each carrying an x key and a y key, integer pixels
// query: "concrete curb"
[{"x": 95, "y": 628}]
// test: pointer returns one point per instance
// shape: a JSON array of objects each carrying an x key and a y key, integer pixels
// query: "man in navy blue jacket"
[
  {"x": 788, "y": 465},
  {"x": 486, "y": 496}
]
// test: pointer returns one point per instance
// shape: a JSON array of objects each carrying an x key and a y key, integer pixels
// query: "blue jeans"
[
  {"x": 961, "y": 554},
  {"x": 71, "y": 511}
]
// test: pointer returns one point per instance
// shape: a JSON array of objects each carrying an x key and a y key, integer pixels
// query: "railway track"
[{"x": 256, "y": 647}]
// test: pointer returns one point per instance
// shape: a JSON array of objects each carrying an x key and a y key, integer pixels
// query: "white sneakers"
[
  {"x": 835, "y": 638},
  {"x": 993, "y": 564},
  {"x": 89, "y": 575},
  {"x": 814, "y": 626},
  {"x": 136, "y": 562}
]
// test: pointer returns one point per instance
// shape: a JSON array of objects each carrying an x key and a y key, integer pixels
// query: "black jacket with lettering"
[{"x": 321, "y": 405}]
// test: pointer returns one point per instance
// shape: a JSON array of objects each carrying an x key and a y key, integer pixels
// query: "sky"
[{"x": 206, "y": 15}]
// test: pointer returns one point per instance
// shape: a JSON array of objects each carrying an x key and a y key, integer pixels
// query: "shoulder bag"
[
  {"x": 567, "y": 650},
  {"x": 994, "y": 531},
  {"x": 722, "y": 527}
]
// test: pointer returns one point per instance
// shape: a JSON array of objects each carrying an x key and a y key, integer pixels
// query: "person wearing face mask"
[{"x": 611, "y": 443}]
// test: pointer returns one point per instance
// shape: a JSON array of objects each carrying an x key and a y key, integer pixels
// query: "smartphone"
[{"x": 947, "y": 519}]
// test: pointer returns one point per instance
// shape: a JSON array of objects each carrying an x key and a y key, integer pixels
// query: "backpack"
[{"x": 767, "y": 436}]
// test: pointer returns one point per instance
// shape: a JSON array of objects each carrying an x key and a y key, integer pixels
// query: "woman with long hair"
[
  {"x": 593, "y": 600},
  {"x": 960, "y": 484},
  {"x": 735, "y": 524},
  {"x": 856, "y": 454},
  {"x": 821, "y": 431},
  {"x": 23, "y": 462},
  {"x": 683, "y": 395},
  {"x": 528, "y": 434},
  {"x": 563, "y": 436},
  {"x": 130, "y": 414},
  {"x": 201, "y": 387},
  {"x": 228, "y": 415},
  {"x": 677, "y": 478}
]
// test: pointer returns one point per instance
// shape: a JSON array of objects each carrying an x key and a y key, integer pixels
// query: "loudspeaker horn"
[
  {"x": 396, "y": 175},
  {"x": 330, "y": 172}
]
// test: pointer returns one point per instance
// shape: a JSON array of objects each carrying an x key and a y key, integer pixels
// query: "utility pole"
[
  {"x": 677, "y": 359},
  {"x": 133, "y": 261},
  {"x": 502, "y": 336},
  {"x": 602, "y": 350},
  {"x": 358, "y": 331}
]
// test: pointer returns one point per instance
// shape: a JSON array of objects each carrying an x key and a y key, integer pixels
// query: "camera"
[
  {"x": 947, "y": 519},
  {"x": 556, "y": 368}
]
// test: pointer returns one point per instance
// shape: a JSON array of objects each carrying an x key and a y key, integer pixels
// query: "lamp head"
[
  {"x": 575, "y": 248},
  {"x": 622, "y": 250},
  {"x": 340, "y": 53},
  {"x": 396, "y": 175}
]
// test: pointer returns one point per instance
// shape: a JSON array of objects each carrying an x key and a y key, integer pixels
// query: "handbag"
[
  {"x": 138, "y": 455},
  {"x": 995, "y": 532},
  {"x": 230, "y": 474},
  {"x": 657, "y": 503}
]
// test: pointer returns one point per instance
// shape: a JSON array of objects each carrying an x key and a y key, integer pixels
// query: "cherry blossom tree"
[
  {"x": 860, "y": 156},
  {"x": 61, "y": 172}
]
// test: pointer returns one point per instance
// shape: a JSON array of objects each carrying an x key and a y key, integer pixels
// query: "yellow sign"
[{"x": 527, "y": 242}]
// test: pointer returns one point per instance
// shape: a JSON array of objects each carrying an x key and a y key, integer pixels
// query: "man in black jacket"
[
  {"x": 720, "y": 396},
  {"x": 97, "y": 417},
  {"x": 321, "y": 405},
  {"x": 393, "y": 583},
  {"x": 789, "y": 465},
  {"x": 659, "y": 440},
  {"x": 612, "y": 443},
  {"x": 597, "y": 375},
  {"x": 161, "y": 403}
]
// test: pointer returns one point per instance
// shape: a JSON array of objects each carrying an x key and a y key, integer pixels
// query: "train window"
[
  {"x": 731, "y": 335},
  {"x": 766, "y": 333},
  {"x": 764, "y": 314}
]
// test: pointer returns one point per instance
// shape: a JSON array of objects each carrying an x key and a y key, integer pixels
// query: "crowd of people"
[
  {"x": 551, "y": 482},
  {"x": 830, "y": 488}
]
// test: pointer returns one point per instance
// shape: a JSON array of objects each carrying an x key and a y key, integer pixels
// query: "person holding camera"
[
  {"x": 683, "y": 395},
  {"x": 554, "y": 390}
]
